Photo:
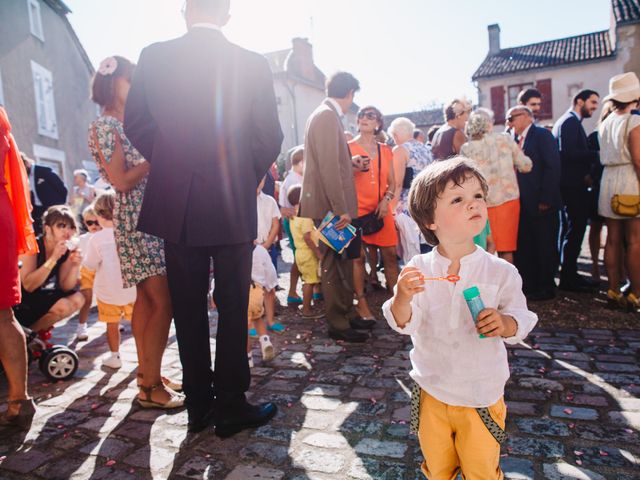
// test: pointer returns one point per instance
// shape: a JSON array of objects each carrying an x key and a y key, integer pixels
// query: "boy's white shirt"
[
  {"x": 102, "y": 256},
  {"x": 267, "y": 211},
  {"x": 83, "y": 242},
  {"x": 292, "y": 178},
  {"x": 449, "y": 360},
  {"x": 263, "y": 272}
]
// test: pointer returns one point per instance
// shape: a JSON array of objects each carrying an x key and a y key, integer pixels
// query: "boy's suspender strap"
[
  {"x": 415, "y": 408},
  {"x": 498, "y": 433}
]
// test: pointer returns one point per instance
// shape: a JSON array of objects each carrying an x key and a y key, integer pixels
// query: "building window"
[
  {"x": 50, "y": 157},
  {"x": 45, "y": 105},
  {"x": 1, "y": 92},
  {"x": 514, "y": 90},
  {"x": 35, "y": 20}
]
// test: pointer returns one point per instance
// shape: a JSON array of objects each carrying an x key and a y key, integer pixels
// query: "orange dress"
[{"x": 369, "y": 196}]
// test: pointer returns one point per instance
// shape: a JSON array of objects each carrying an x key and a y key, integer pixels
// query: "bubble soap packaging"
[{"x": 474, "y": 302}]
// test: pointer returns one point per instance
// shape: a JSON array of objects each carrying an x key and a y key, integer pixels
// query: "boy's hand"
[
  {"x": 492, "y": 323},
  {"x": 410, "y": 282}
]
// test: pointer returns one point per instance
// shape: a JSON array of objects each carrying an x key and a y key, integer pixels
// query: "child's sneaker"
[
  {"x": 81, "y": 332},
  {"x": 250, "y": 359},
  {"x": 267, "y": 348},
  {"x": 113, "y": 361}
]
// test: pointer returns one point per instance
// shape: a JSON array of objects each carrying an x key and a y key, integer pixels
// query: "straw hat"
[{"x": 624, "y": 88}]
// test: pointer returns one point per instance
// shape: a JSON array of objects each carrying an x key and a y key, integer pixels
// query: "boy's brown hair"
[
  {"x": 104, "y": 205},
  {"x": 293, "y": 195},
  {"x": 429, "y": 184}
]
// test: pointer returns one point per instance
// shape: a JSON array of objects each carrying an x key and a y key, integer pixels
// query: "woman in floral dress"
[{"x": 141, "y": 255}]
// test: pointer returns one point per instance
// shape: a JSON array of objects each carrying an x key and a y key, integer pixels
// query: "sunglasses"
[
  {"x": 91, "y": 223},
  {"x": 510, "y": 118},
  {"x": 369, "y": 115}
]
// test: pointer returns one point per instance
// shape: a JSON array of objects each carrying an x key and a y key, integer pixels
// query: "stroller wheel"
[{"x": 59, "y": 363}]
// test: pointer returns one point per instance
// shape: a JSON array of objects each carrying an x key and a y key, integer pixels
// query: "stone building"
[
  {"x": 300, "y": 87},
  {"x": 560, "y": 68},
  {"x": 45, "y": 77}
]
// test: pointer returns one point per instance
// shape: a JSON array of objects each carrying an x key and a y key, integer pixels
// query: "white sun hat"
[{"x": 624, "y": 88}]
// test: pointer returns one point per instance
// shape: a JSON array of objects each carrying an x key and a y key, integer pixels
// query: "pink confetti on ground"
[
  {"x": 373, "y": 400},
  {"x": 572, "y": 425},
  {"x": 110, "y": 463},
  {"x": 578, "y": 461},
  {"x": 603, "y": 453},
  {"x": 568, "y": 411},
  {"x": 570, "y": 396},
  {"x": 94, "y": 406},
  {"x": 578, "y": 452}
]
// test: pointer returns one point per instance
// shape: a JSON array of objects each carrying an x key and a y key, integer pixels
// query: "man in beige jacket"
[{"x": 328, "y": 186}]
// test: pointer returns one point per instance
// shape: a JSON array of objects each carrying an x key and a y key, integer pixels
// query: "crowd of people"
[{"x": 178, "y": 210}]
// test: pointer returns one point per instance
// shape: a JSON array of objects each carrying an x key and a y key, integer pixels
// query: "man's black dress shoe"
[
  {"x": 230, "y": 422},
  {"x": 349, "y": 335},
  {"x": 359, "y": 323},
  {"x": 197, "y": 423}
]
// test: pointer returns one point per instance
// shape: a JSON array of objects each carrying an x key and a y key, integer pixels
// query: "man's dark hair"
[
  {"x": 416, "y": 133},
  {"x": 431, "y": 132},
  {"x": 584, "y": 95},
  {"x": 214, "y": 8},
  {"x": 527, "y": 94},
  {"x": 340, "y": 84}
]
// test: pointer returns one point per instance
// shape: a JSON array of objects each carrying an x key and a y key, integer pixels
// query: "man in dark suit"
[
  {"x": 328, "y": 185},
  {"x": 577, "y": 160},
  {"x": 191, "y": 102},
  {"x": 537, "y": 254},
  {"x": 47, "y": 189}
]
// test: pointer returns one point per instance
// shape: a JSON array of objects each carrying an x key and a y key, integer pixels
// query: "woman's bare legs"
[
  {"x": 595, "y": 240},
  {"x": 13, "y": 354},
  {"x": 152, "y": 314},
  {"x": 59, "y": 311},
  {"x": 612, "y": 250},
  {"x": 390, "y": 260},
  {"x": 359, "y": 274}
]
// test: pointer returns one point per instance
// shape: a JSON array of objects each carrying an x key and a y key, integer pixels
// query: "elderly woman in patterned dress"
[
  {"x": 497, "y": 157},
  {"x": 141, "y": 255}
]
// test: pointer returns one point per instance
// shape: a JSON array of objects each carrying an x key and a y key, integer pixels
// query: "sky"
[{"x": 407, "y": 54}]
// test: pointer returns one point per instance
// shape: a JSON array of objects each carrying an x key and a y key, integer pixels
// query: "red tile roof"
[
  {"x": 581, "y": 48},
  {"x": 626, "y": 11}
]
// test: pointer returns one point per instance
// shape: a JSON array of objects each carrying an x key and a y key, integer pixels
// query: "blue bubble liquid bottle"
[{"x": 474, "y": 302}]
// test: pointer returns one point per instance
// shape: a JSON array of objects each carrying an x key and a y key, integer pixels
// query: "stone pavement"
[{"x": 574, "y": 413}]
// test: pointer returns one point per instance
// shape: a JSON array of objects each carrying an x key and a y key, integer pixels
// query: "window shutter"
[
  {"x": 44, "y": 100},
  {"x": 546, "y": 110},
  {"x": 50, "y": 107},
  {"x": 497, "y": 103}
]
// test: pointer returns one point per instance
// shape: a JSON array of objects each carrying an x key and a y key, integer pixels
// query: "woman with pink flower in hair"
[{"x": 141, "y": 255}]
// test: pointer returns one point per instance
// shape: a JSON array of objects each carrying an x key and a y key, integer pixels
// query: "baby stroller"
[{"x": 56, "y": 362}]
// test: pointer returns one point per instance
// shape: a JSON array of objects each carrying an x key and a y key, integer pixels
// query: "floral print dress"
[{"x": 141, "y": 255}]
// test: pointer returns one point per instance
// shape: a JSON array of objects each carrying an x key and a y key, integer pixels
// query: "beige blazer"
[{"x": 328, "y": 176}]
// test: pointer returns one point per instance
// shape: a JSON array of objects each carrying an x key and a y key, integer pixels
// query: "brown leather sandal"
[{"x": 176, "y": 401}]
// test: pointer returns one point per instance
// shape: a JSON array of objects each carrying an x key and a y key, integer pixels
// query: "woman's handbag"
[
  {"x": 626, "y": 205},
  {"x": 370, "y": 223},
  {"x": 408, "y": 178}
]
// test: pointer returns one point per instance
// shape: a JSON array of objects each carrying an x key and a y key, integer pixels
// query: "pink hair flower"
[{"x": 108, "y": 66}]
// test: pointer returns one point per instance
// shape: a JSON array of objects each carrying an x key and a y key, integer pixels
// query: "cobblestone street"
[{"x": 574, "y": 413}]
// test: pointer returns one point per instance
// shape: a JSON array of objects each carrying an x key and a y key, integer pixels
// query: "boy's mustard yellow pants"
[{"x": 455, "y": 440}]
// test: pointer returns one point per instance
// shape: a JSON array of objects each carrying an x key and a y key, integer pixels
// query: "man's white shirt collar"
[
  {"x": 336, "y": 105},
  {"x": 210, "y": 26}
]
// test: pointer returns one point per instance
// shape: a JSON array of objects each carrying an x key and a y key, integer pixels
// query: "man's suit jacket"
[
  {"x": 576, "y": 156},
  {"x": 48, "y": 186},
  {"x": 327, "y": 183},
  {"x": 203, "y": 112},
  {"x": 542, "y": 183}
]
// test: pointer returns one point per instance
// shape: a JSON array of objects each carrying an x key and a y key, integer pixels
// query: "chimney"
[
  {"x": 303, "y": 54},
  {"x": 494, "y": 39}
]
